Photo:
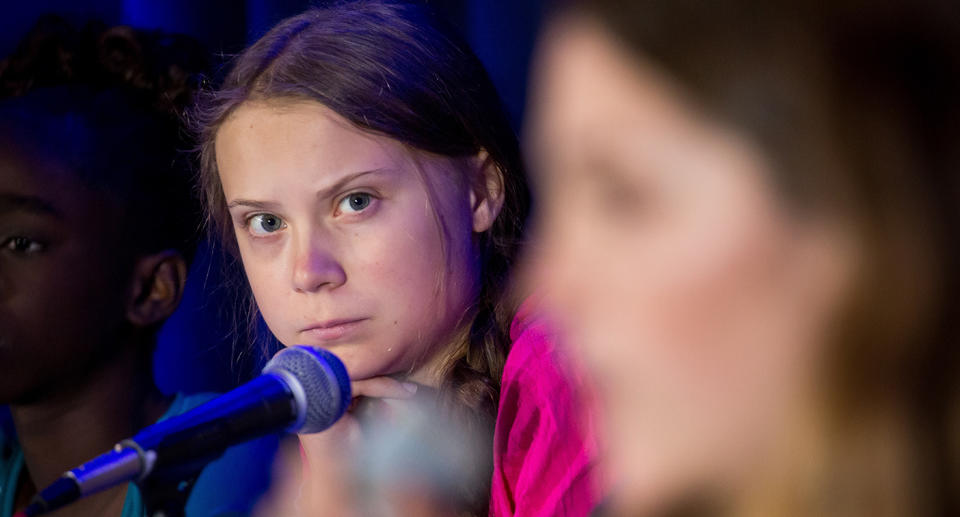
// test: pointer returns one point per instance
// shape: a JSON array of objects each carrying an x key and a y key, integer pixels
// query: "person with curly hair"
[{"x": 98, "y": 225}]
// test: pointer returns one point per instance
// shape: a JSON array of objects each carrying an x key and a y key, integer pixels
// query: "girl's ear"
[
  {"x": 486, "y": 194},
  {"x": 157, "y": 286}
]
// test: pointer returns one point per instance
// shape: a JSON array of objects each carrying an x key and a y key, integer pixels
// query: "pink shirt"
[{"x": 544, "y": 447}]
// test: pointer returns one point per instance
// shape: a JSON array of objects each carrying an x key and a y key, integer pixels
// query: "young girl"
[{"x": 359, "y": 164}]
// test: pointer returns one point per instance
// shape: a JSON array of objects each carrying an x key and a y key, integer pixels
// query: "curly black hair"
[{"x": 107, "y": 103}]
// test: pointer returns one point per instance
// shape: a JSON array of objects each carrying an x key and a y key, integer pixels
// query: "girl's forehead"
[
  {"x": 290, "y": 109},
  {"x": 305, "y": 135},
  {"x": 303, "y": 131}
]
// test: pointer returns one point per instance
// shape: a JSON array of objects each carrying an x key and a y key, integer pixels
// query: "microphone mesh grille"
[{"x": 324, "y": 380}]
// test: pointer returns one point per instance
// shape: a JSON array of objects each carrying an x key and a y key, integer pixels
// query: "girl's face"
[
  {"x": 350, "y": 241},
  {"x": 696, "y": 300}
]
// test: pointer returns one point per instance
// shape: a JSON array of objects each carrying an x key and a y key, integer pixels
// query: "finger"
[{"x": 383, "y": 387}]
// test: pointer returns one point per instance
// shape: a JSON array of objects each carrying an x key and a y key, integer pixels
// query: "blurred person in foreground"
[
  {"x": 748, "y": 224},
  {"x": 98, "y": 225}
]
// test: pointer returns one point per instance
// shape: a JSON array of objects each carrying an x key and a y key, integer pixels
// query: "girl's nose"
[{"x": 316, "y": 267}]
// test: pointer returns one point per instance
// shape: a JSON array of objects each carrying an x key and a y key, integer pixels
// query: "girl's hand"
[
  {"x": 325, "y": 481},
  {"x": 383, "y": 388},
  {"x": 391, "y": 454},
  {"x": 369, "y": 396}
]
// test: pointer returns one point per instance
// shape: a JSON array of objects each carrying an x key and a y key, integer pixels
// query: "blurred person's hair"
[
  {"x": 107, "y": 103},
  {"x": 856, "y": 106},
  {"x": 393, "y": 69}
]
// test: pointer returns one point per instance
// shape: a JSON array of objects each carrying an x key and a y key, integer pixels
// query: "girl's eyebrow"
[
  {"x": 322, "y": 193},
  {"x": 339, "y": 184},
  {"x": 262, "y": 205}
]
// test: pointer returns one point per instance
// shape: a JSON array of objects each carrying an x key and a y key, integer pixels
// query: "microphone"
[{"x": 302, "y": 389}]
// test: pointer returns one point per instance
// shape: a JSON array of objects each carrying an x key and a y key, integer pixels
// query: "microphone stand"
[
  {"x": 165, "y": 492},
  {"x": 166, "y": 498}
]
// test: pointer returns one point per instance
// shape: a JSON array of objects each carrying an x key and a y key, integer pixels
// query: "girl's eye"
[
  {"x": 355, "y": 202},
  {"x": 265, "y": 224},
  {"x": 23, "y": 245}
]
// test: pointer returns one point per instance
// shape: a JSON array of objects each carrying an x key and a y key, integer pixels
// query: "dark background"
[{"x": 195, "y": 352}]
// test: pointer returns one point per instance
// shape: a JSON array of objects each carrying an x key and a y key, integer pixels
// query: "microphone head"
[{"x": 320, "y": 384}]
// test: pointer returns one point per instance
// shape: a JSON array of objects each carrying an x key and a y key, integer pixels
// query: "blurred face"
[
  {"x": 695, "y": 300},
  {"x": 63, "y": 285},
  {"x": 350, "y": 241}
]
